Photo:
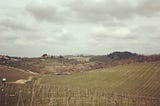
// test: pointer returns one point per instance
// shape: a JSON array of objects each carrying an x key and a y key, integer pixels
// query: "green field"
[{"x": 136, "y": 79}]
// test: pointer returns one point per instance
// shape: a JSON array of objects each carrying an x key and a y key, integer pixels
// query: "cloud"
[
  {"x": 131, "y": 37},
  {"x": 103, "y": 33},
  {"x": 45, "y": 12},
  {"x": 14, "y": 25},
  {"x": 19, "y": 38},
  {"x": 79, "y": 26},
  {"x": 60, "y": 38},
  {"x": 108, "y": 10}
]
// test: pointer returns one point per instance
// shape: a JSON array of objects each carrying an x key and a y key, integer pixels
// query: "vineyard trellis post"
[{"x": 44, "y": 95}]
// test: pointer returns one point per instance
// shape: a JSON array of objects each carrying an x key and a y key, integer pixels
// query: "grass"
[{"x": 136, "y": 79}]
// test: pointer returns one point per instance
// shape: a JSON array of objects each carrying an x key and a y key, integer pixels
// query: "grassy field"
[
  {"x": 13, "y": 74},
  {"x": 135, "y": 79}
]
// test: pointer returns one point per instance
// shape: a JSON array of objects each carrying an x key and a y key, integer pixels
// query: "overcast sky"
[{"x": 34, "y": 27}]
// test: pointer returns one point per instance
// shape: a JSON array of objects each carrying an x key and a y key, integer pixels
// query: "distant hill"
[
  {"x": 113, "y": 56},
  {"x": 124, "y": 57},
  {"x": 47, "y": 64},
  {"x": 121, "y": 55}
]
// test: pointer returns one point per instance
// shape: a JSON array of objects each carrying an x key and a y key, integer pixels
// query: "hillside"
[
  {"x": 122, "y": 58},
  {"x": 13, "y": 74},
  {"x": 136, "y": 79},
  {"x": 113, "y": 56},
  {"x": 47, "y": 65},
  {"x": 67, "y": 65}
]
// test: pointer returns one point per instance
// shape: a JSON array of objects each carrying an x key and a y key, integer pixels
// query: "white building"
[{"x": 4, "y": 79}]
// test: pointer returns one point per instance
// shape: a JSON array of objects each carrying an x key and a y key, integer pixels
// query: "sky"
[{"x": 63, "y": 27}]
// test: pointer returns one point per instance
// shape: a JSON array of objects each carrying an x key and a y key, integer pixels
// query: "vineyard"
[
  {"x": 136, "y": 79},
  {"x": 45, "y": 95},
  {"x": 125, "y": 85}
]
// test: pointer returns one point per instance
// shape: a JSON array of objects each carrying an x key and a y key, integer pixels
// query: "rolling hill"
[
  {"x": 47, "y": 64},
  {"x": 124, "y": 80},
  {"x": 136, "y": 79},
  {"x": 113, "y": 56},
  {"x": 14, "y": 74}
]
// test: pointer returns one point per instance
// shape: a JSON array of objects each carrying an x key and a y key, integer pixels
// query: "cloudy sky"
[{"x": 34, "y": 27}]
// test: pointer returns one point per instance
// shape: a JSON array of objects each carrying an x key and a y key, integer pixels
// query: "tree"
[{"x": 44, "y": 55}]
